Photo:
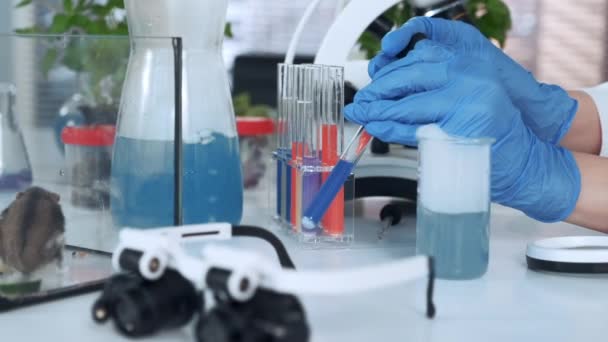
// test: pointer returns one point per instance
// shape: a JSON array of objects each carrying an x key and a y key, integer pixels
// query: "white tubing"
[
  {"x": 293, "y": 44},
  {"x": 340, "y": 4},
  {"x": 337, "y": 282}
]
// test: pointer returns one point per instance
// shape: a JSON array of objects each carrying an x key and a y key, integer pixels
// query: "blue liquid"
[
  {"x": 459, "y": 242},
  {"x": 328, "y": 192},
  {"x": 287, "y": 193},
  {"x": 16, "y": 181},
  {"x": 280, "y": 186},
  {"x": 142, "y": 192}
]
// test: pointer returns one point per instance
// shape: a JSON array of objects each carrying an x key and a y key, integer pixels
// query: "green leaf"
[
  {"x": 48, "y": 61},
  {"x": 121, "y": 30},
  {"x": 241, "y": 103},
  {"x": 491, "y": 17},
  {"x": 116, "y": 3},
  {"x": 60, "y": 24},
  {"x": 80, "y": 5},
  {"x": 100, "y": 10},
  {"x": 68, "y": 6},
  {"x": 81, "y": 21},
  {"x": 228, "y": 30},
  {"x": 23, "y": 3},
  {"x": 28, "y": 30},
  {"x": 398, "y": 14},
  {"x": 259, "y": 111},
  {"x": 370, "y": 44}
]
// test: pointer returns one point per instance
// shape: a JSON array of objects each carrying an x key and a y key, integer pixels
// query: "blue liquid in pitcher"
[
  {"x": 458, "y": 242},
  {"x": 143, "y": 182}
]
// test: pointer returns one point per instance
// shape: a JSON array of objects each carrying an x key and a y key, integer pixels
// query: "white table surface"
[{"x": 510, "y": 303}]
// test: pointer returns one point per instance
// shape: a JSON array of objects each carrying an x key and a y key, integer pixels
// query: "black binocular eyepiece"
[
  {"x": 242, "y": 311},
  {"x": 140, "y": 307},
  {"x": 269, "y": 316}
]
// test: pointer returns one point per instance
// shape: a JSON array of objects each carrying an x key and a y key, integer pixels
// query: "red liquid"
[{"x": 333, "y": 221}]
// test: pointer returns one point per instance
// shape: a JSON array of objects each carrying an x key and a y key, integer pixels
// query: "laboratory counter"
[{"x": 510, "y": 303}]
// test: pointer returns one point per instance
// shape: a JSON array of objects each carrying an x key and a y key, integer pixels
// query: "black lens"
[
  {"x": 267, "y": 317},
  {"x": 169, "y": 302}
]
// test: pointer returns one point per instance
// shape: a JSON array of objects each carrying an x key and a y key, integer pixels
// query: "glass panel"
[{"x": 59, "y": 102}]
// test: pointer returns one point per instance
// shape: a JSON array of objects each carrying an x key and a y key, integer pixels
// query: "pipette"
[{"x": 345, "y": 166}]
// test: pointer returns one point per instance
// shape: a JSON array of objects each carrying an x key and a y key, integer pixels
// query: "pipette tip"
[{"x": 308, "y": 223}]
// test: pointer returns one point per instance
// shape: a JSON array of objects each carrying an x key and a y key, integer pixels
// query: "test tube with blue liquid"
[
  {"x": 346, "y": 164},
  {"x": 310, "y": 113},
  {"x": 334, "y": 183},
  {"x": 280, "y": 132},
  {"x": 283, "y": 156},
  {"x": 305, "y": 148},
  {"x": 280, "y": 155},
  {"x": 311, "y": 101}
]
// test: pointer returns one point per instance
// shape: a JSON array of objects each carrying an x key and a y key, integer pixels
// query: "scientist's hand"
[
  {"x": 547, "y": 109},
  {"x": 464, "y": 96}
]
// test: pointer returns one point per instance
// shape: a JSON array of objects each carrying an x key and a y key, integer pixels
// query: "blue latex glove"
[
  {"x": 547, "y": 109},
  {"x": 464, "y": 97}
]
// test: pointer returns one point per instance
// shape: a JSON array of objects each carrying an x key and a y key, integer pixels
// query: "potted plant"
[
  {"x": 100, "y": 67},
  {"x": 491, "y": 17},
  {"x": 99, "y": 63}
]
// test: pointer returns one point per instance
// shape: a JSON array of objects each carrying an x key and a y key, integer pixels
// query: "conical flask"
[
  {"x": 142, "y": 167},
  {"x": 15, "y": 169}
]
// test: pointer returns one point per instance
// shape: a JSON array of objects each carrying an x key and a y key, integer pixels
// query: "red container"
[{"x": 255, "y": 140}]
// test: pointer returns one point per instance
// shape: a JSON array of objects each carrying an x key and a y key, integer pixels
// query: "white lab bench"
[{"x": 510, "y": 303}]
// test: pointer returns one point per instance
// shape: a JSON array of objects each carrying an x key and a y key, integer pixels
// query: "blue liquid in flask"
[
  {"x": 460, "y": 243},
  {"x": 143, "y": 182}
]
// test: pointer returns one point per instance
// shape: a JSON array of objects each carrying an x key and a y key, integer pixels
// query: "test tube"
[
  {"x": 311, "y": 114},
  {"x": 335, "y": 181},
  {"x": 344, "y": 167},
  {"x": 289, "y": 108},
  {"x": 332, "y": 126},
  {"x": 296, "y": 147},
  {"x": 280, "y": 186},
  {"x": 304, "y": 148},
  {"x": 283, "y": 136}
]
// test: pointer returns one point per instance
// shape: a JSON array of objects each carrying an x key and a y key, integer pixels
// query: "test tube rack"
[{"x": 310, "y": 140}]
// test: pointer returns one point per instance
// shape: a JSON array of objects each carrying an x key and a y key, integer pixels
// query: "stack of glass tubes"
[{"x": 310, "y": 140}]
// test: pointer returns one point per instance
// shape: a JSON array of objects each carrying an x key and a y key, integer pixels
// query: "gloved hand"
[
  {"x": 547, "y": 109},
  {"x": 464, "y": 97}
]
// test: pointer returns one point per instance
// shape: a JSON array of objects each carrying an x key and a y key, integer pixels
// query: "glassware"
[
  {"x": 88, "y": 152},
  {"x": 15, "y": 169},
  {"x": 453, "y": 203},
  {"x": 143, "y": 169},
  {"x": 45, "y": 70},
  {"x": 310, "y": 142}
]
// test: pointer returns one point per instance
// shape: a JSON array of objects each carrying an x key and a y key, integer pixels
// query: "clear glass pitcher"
[
  {"x": 142, "y": 167},
  {"x": 15, "y": 169}
]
